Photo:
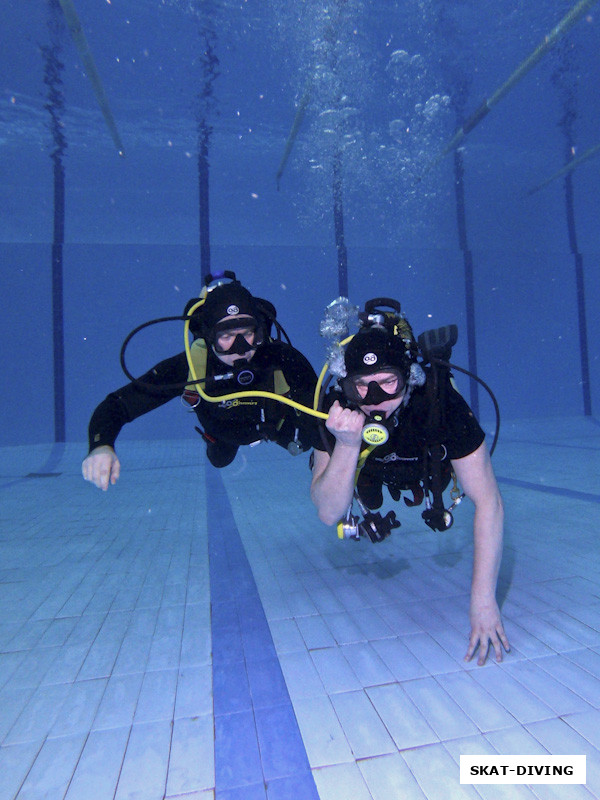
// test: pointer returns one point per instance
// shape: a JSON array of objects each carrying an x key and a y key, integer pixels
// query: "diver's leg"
[{"x": 221, "y": 454}]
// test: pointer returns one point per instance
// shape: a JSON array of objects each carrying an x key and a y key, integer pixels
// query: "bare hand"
[
  {"x": 345, "y": 424},
  {"x": 486, "y": 629},
  {"x": 101, "y": 467}
]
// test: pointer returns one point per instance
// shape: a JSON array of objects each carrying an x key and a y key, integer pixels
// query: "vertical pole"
[
  {"x": 207, "y": 108},
  {"x": 203, "y": 185},
  {"x": 338, "y": 224},
  {"x": 564, "y": 79},
  {"x": 58, "y": 337},
  {"x": 460, "y": 79},
  {"x": 584, "y": 357},
  {"x": 55, "y": 106},
  {"x": 461, "y": 219}
]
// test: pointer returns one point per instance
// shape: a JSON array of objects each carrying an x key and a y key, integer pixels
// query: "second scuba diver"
[
  {"x": 424, "y": 432},
  {"x": 232, "y": 353}
]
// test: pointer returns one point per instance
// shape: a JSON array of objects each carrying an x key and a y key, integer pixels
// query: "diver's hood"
[{"x": 372, "y": 350}]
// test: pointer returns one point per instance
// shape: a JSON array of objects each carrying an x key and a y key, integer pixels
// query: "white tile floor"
[{"x": 106, "y": 644}]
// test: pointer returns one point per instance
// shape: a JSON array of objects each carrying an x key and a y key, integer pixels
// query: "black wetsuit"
[
  {"x": 226, "y": 425},
  {"x": 403, "y": 462}
]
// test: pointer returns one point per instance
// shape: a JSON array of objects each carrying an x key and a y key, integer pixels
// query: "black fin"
[{"x": 438, "y": 343}]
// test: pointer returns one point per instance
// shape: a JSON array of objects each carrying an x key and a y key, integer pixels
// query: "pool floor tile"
[{"x": 206, "y": 637}]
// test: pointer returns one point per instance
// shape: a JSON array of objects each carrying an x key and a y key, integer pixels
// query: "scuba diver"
[
  {"x": 420, "y": 433},
  {"x": 232, "y": 353}
]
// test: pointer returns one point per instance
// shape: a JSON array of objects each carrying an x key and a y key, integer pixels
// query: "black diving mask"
[
  {"x": 240, "y": 347},
  {"x": 243, "y": 343},
  {"x": 376, "y": 391}
]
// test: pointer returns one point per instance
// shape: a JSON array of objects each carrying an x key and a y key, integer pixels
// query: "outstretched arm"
[
  {"x": 101, "y": 467},
  {"x": 333, "y": 475},
  {"x": 476, "y": 476}
]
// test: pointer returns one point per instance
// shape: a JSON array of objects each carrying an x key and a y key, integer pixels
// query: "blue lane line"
[
  {"x": 557, "y": 490},
  {"x": 259, "y": 752}
]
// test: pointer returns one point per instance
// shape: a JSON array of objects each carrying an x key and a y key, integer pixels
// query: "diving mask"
[
  {"x": 245, "y": 340},
  {"x": 361, "y": 391}
]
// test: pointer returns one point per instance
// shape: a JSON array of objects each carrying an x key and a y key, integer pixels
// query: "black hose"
[
  {"x": 146, "y": 384},
  {"x": 181, "y": 318},
  {"x": 485, "y": 386}
]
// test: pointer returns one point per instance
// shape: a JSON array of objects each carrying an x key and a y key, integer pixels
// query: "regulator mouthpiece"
[{"x": 374, "y": 432}]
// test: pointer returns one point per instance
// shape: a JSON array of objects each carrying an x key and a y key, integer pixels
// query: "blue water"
[
  {"x": 201, "y": 634},
  {"x": 384, "y": 85}
]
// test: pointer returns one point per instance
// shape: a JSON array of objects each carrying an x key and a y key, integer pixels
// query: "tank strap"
[
  {"x": 199, "y": 355},
  {"x": 280, "y": 385}
]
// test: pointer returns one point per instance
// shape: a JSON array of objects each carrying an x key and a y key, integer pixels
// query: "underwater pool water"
[{"x": 201, "y": 634}]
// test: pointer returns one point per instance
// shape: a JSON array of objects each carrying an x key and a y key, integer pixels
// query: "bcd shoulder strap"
[
  {"x": 198, "y": 356},
  {"x": 280, "y": 385},
  {"x": 433, "y": 449}
]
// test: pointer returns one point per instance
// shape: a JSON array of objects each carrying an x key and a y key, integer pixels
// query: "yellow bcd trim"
[{"x": 199, "y": 355}]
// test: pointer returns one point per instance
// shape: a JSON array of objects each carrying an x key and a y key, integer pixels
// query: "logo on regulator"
[{"x": 375, "y": 432}]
